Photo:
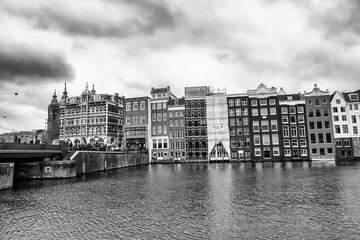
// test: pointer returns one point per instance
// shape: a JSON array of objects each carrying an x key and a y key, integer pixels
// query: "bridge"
[{"x": 15, "y": 153}]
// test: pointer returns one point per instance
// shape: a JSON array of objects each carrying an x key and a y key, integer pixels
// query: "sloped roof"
[{"x": 347, "y": 96}]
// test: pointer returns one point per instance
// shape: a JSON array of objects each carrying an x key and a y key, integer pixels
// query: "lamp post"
[{"x": 64, "y": 123}]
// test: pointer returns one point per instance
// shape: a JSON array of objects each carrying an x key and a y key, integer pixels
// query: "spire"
[
  {"x": 86, "y": 91},
  {"x": 64, "y": 93},
  {"x": 93, "y": 90},
  {"x": 54, "y": 100}
]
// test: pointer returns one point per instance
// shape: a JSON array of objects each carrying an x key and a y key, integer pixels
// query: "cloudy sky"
[{"x": 129, "y": 46}]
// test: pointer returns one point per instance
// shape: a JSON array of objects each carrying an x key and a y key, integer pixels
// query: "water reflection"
[{"x": 191, "y": 201}]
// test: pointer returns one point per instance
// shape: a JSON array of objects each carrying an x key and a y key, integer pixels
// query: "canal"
[{"x": 189, "y": 201}]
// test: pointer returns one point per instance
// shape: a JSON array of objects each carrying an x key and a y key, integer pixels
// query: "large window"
[
  {"x": 256, "y": 139},
  {"x": 255, "y": 112},
  {"x": 286, "y": 131},
  {"x": 275, "y": 139},
  {"x": 274, "y": 126},
  {"x": 266, "y": 139},
  {"x": 302, "y": 132},
  {"x": 293, "y": 131},
  {"x": 263, "y": 111},
  {"x": 265, "y": 126},
  {"x": 256, "y": 127}
]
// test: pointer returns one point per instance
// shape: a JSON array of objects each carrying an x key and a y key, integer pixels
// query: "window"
[
  {"x": 245, "y": 121},
  {"x": 231, "y": 102},
  {"x": 255, "y": 112},
  {"x": 317, "y": 102},
  {"x": 263, "y": 111},
  {"x": 292, "y": 119},
  {"x": 345, "y": 128},
  {"x": 284, "y": 110},
  {"x": 356, "y": 107},
  {"x": 254, "y": 102},
  {"x": 153, "y": 130},
  {"x": 295, "y": 143},
  {"x": 272, "y": 111},
  {"x": 159, "y": 117},
  {"x": 346, "y": 143},
  {"x": 286, "y": 131},
  {"x": 128, "y": 106},
  {"x": 142, "y": 119},
  {"x": 324, "y": 100},
  {"x": 309, "y": 102},
  {"x": 257, "y": 151},
  {"x": 335, "y": 109},
  {"x": 303, "y": 152},
  {"x": 287, "y": 152},
  {"x": 244, "y": 101},
  {"x": 285, "y": 119},
  {"x": 322, "y": 151},
  {"x": 154, "y": 117},
  {"x": 319, "y": 125},
  {"x": 232, "y": 122},
  {"x": 318, "y": 113},
  {"x": 238, "y": 111},
  {"x": 338, "y": 143},
  {"x": 286, "y": 142},
  {"x": 314, "y": 150},
  {"x": 265, "y": 126},
  {"x": 337, "y": 129},
  {"x": 353, "y": 119},
  {"x": 326, "y": 112},
  {"x": 164, "y": 105},
  {"x": 135, "y": 106},
  {"x": 342, "y": 109},
  {"x": 292, "y": 110},
  {"x": 171, "y": 123},
  {"x": 353, "y": 97},
  {"x": 321, "y": 138},
  {"x": 266, "y": 139},
  {"x": 336, "y": 118},
  {"x": 275, "y": 139},
  {"x": 245, "y": 112},
  {"x": 231, "y": 112},
  {"x": 343, "y": 118},
  {"x": 263, "y": 102},
  {"x": 142, "y": 105},
  {"x": 272, "y": 102},
  {"x": 276, "y": 151},
  {"x": 164, "y": 116},
  {"x": 312, "y": 125},
  {"x": 300, "y": 109},
  {"x": 312, "y": 138},
  {"x": 301, "y": 119},
  {"x": 302, "y": 132},
  {"x": 159, "y": 106},
  {"x": 328, "y": 138},
  {"x": 293, "y": 131},
  {"x": 355, "y": 130},
  {"x": 303, "y": 142},
  {"x": 327, "y": 124},
  {"x": 256, "y": 127},
  {"x": 237, "y": 102},
  {"x": 338, "y": 101},
  {"x": 274, "y": 126},
  {"x": 159, "y": 130},
  {"x": 330, "y": 150},
  {"x": 256, "y": 139},
  {"x": 311, "y": 113}
]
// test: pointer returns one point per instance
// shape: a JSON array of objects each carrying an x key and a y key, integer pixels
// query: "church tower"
[{"x": 53, "y": 120}]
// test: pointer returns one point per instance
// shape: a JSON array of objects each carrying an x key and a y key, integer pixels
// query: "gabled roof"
[
  {"x": 159, "y": 90},
  {"x": 177, "y": 102},
  {"x": 289, "y": 97},
  {"x": 316, "y": 92}
]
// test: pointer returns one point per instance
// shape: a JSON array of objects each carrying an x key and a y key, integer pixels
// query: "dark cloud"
[
  {"x": 149, "y": 17},
  {"x": 25, "y": 66}
]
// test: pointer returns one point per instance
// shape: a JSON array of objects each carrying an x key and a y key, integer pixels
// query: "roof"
[
  {"x": 159, "y": 90},
  {"x": 177, "y": 102},
  {"x": 289, "y": 97},
  {"x": 316, "y": 92},
  {"x": 349, "y": 99}
]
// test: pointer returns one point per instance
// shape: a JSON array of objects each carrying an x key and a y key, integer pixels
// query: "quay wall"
[
  {"x": 6, "y": 175},
  {"x": 81, "y": 162}
]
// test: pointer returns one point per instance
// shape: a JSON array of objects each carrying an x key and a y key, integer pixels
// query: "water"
[{"x": 189, "y": 201}]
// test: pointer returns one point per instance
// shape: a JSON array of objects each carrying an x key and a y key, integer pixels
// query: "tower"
[{"x": 53, "y": 119}]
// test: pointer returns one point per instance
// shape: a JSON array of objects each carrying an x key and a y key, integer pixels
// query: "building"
[
  {"x": 91, "y": 118},
  {"x": 176, "y": 110},
  {"x": 346, "y": 124},
  {"x": 53, "y": 120},
  {"x": 195, "y": 123},
  {"x": 238, "y": 115},
  {"x": 217, "y": 122},
  {"x": 264, "y": 127},
  {"x": 294, "y": 127},
  {"x": 137, "y": 123},
  {"x": 160, "y": 97},
  {"x": 320, "y": 132}
]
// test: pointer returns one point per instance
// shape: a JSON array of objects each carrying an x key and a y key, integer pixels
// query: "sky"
[{"x": 129, "y": 46}]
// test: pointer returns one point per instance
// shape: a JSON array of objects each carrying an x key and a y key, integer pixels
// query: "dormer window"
[
  {"x": 354, "y": 97},
  {"x": 289, "y": 98}
]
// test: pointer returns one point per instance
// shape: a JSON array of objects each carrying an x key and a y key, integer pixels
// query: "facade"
[
  {"x": 238, "y": 115},
  {"x": 137, "y": 123},
  {"x": 320, "y": 132},
  {"x": 217, "y": 123},
  {"x": 176, "y": 110},
  {"x": 346, "y": 124},
  {"x": 159, "y": 123},
  {"x": 91, "y": 118},
  {"x": 264, "y": 128},
  {"x": 195, "y": 123},
  {"x": 294, "y": 126}
]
